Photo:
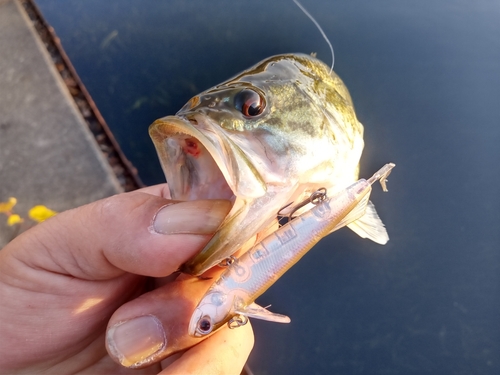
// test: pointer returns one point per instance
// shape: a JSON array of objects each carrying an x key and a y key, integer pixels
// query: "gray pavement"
[{"x": 47, "y": 154}]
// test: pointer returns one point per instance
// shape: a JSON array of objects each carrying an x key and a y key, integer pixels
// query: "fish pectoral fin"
[
  {"x": 356, "y": 213},
  {"x": 370, "y": 226},
  {"x": 258, "y": 312}
]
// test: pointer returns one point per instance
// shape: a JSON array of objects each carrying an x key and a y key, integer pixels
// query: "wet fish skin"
[{"x": 306, "y": 136}]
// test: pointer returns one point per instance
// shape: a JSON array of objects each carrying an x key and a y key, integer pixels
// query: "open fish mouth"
[
  {"x": 200, "y": 161},
  {"x": 269, "y": 136}
]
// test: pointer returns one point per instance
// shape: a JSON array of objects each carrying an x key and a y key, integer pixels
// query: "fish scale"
[{"x": 302, "y": 134}]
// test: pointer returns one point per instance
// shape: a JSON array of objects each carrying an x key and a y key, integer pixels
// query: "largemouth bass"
[
  {"x": 269, "y": 136},
  {"x": 231, "y": 298}
]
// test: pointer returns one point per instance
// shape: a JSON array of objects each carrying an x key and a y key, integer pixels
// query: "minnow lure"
[{"x": 231, "y": 298}]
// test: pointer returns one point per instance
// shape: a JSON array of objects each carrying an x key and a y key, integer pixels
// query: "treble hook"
[
  {"x": 237, "y": 321},
  {"x": 315, "y": 198}
]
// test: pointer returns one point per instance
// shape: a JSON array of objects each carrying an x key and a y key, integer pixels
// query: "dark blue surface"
[{"x": 425, "y": 79}]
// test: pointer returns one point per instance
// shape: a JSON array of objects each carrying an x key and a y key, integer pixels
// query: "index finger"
[
  {"x": 160, "y": 190},
  {"x": 139, "y": 232}
]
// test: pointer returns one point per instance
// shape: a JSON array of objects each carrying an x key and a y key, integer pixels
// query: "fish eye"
[
  {"x": 205, "y": 325},
  {"x": 249, "y": 102}
]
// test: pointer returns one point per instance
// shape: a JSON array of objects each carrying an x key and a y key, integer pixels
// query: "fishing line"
[{"x": 319, "y": 28}]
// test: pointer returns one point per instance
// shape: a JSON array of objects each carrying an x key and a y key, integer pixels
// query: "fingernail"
[
  {"x": 136, "y": 341},
  {"x": 191, "y": 217}
]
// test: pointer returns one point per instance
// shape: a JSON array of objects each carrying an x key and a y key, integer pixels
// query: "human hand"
[{"x": 96, "y": 277}]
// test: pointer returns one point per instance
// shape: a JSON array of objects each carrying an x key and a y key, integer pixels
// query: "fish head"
[{"x": 268, "y": 136}]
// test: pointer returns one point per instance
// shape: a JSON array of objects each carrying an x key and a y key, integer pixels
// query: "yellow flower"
[
  {"x": 14, "y": 219},
  {"x": 40, "y": 213},
  {"x": 6, "y": 207}
]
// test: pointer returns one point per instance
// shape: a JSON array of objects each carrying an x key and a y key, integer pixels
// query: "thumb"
[
  {"x": 61, "y": 267},
  {"x": 133, "y": 232}
]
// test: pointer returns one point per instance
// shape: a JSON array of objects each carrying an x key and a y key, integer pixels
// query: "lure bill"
[{"x": 231, "y": 298}]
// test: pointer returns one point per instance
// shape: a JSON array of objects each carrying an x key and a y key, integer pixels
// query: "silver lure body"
[{"x": 255, "y": 271}]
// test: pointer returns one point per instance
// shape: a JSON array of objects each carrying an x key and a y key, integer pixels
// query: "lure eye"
[
  {"x": 249, "y": 103},
  {"x": 205, "y": 325}
]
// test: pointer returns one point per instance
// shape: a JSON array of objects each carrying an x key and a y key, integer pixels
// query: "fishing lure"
[{"x": 231, "y": 298}]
